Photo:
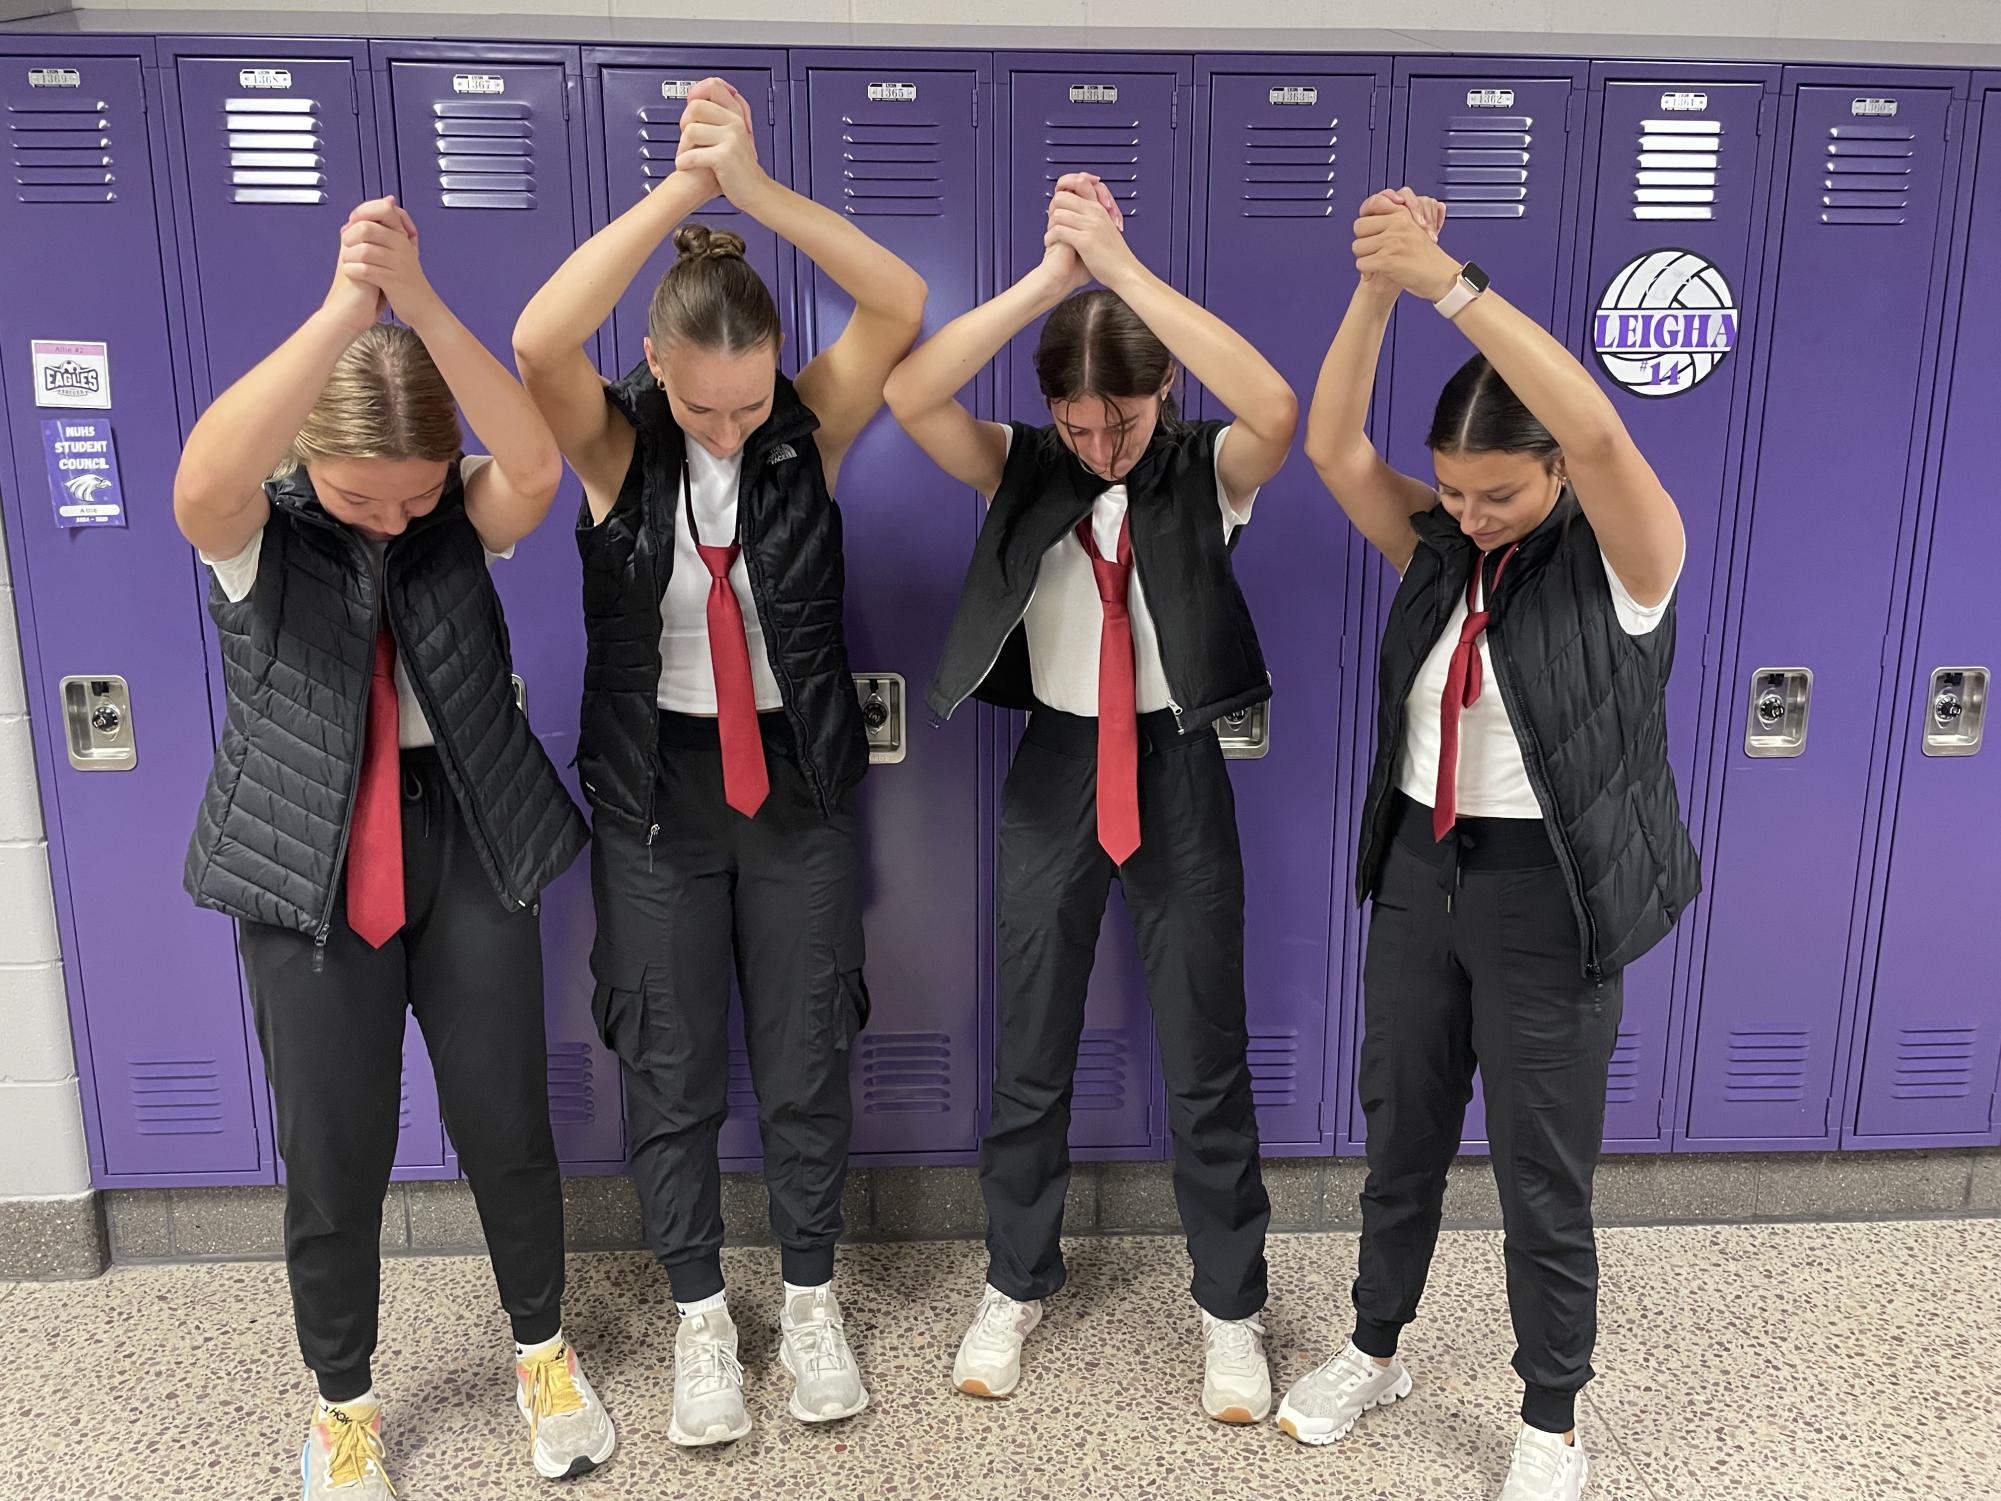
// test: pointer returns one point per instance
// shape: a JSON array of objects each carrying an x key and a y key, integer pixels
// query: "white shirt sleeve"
[
  {"x": 1236, "y": 515},
  {"x": 1638, "y": 619},
  {"x": 469, "y": 465},
  {"x": 238, "y": 575}
]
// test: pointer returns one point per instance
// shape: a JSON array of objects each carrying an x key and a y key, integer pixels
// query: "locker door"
[
  {"x": 1118, "y": 118},
  {"x": 1661, "y": 308},
  {"x": 483, "y": 151},
  {"x": 641, "y": 116},
  {"x": 1827, "y": 537},
  {"x": 161, "y": 1042},
  {"x": 1933, "y": 1033},
  {"x": 273, "y": 148},
  {"x": 1496, "y": 147},
  {"x": 1290, "y": 157},
  {"x": 894, "y": 148}
]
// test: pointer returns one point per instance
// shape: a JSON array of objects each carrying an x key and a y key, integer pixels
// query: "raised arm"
[
  {"x": 507, "y": 499},
  {"x": 219, "y": 501},
  {"x": 1635, "y": 520},
  {"x": 1265, "y": 410},
  {"x": 843, "y": 383},
  {"x": 1378, "y": 499}
]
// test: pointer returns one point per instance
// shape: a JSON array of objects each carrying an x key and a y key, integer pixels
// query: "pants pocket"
[
  {"x": 620, "y": 1015},
  {"x": 848, "y": 1006}
]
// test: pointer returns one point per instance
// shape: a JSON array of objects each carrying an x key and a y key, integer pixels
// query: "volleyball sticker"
[{"x": 1665, "y": 323}]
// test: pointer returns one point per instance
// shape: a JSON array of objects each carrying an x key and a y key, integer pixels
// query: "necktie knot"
[{"x": 718, "y": 560}]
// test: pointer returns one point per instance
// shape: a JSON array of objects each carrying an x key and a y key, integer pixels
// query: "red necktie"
[
  {"x": 746, "y": 783},
  {"x": 1462, "y": 690},
  {"x": 375, "y": 845},
  {"x": 1118, "y": 716}
]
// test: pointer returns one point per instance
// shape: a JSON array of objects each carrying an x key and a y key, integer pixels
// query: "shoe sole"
[
  {"x": 682, "y": 1440},
  {"x": 800, "y": 1413},
  {"x": 1241, "y": 1416},
  {"x": 1288, "y": 1423},
  {"x": 583, "y": 1464},
  {"x": 972, "y": 1386}
]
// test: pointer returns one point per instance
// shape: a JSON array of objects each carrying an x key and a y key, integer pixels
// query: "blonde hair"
[
  {"x": 384, "y": 400},
  {"x": 711, "y": 297}
]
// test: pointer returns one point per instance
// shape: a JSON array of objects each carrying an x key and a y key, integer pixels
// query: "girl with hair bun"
[{"x": 722, "y": 741}]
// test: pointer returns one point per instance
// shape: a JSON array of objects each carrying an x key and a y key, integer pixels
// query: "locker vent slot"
[
  {"x": 1104, "y": 1070},
  {"x": 1767, "y": 1068},
  {"x": 572, "y": 1085},
  {"x": 486, "y": 153},
  {"x": 742, "y": 1094},
  {"x": 1866, "y": 174},
  {"x": 1288, "y": 170},
  {"x": 1935, "y": 1063},
  {"x": 1676, "y": 169},
  {"x": 891, "y": 168},
  {"x": 62, "y": 152},
  {"x": 403, "y": 1111},
  {"x": 175, "y": 1096},
  {"x": 907, "y": 1073},
  {"x": 1108, "y": 144},
  {"x": 1622, "y": 1085},
  {"x": 659, "y": 138},
  {"x": 1484, "y": 171},
  {"x": 1274, "y": 1059},
  {"x": 275, "y": 150}
]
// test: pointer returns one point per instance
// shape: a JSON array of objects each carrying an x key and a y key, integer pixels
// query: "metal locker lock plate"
[
  {"x": 1955, "y": 711},
  {"x": 1776, "y": 724},
  {"x": 97, "y": 723},
  {"x": 882, "y": 699},
  {"x": 1246, "y": 734}
]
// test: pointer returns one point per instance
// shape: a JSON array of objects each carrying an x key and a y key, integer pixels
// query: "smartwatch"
[{"x": 1472, "y": 282}]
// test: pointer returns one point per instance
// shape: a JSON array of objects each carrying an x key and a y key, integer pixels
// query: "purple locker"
[
  {"x": 636, "y": 110},
  {"x": 482, "y": 149},
  {"x": 891, "y": 141},
  {"x": 169, "y": 1089},
  {"x": 1802, "y": 698},
  {"x": 1495, "y": 141},
  {"x": 271, "y": 152},
  {"x": 1676, "y": 226},
  {"x": 1931, "y": 1041},
  {"x": 1119, "y": 117},
  {"x": 1291, "y": 154}
]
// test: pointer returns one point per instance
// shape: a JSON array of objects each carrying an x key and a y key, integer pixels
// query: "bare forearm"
[
  {"x": 502, "y": 418},
  {"x": 877, "y": 281},
  {"x": 1337, "y": 424},
  {"x": 252, "y": 425},
  {"x": 1222, "y": 359},
  {"x": 1545, "y": 375},
  {"x": 938, "y": 369}
]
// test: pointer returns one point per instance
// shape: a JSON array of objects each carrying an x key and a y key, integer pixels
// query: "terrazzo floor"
[{"x": 1755, "y": 1363}]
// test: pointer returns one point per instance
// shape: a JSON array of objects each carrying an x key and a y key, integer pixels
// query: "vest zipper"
[
  {"x": 347, "y": 821},
  {"x": 987, "y": 671},
  {"x": 788, "y": 697}
]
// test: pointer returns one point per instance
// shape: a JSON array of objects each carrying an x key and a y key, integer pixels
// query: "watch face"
[{"x": 1475, "y": 277}]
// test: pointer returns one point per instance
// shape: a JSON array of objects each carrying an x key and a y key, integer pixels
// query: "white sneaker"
[
  {"x": 1545, "y": 1468},
  {"x": 570, "y": 1433},
  {"x": 343, "y": 1460},
  {"x": 813, "y": 1346},
  {"x": 989, "y": 1361},
  {"x": 1236, "y": 1378},
  {"x": 708, "y": 1383},
  {"x": 1324, "y": 1403}
]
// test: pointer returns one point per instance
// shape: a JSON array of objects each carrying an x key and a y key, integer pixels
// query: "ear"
[
  {"x": 652, "y": 359},
  {"x": 1167, "y": 387}
]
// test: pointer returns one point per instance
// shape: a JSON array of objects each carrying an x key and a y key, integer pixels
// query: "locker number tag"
[
  {"x": 1302, "y": 94},
  {"x": 1490, "y": 98},
  {"x": 676, "y": 88},
  {"x": 1882, "y": 109},
  {"x": 1094, "y": 93},
  {"x": 1665, "y": 323},
  {"x": 892, "y": 93},
  {"x": 478, "y": 83},
  {"x": 71, "y": 373},
  {"x": 1693, "y": 104},
  {"x": 54, "y": 78},
  {"x": 264, "y": 78}
]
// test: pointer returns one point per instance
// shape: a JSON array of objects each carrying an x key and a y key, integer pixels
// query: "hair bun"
[{"x": 698, "y": 242}]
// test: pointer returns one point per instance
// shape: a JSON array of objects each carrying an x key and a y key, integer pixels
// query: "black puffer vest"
[
  {"x": 790, "y": 530},
  {"x": 1208, "y": 645},
  {"x": 298, "y": 653},
  {"x": 1589, "y": 708}
]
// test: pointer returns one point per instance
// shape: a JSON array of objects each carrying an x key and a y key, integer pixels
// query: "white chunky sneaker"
[
  {"x": 1545, "y": 1468},
  {"x": 826, "y": 1381},
  {"x": 989, "y": 1361},
  {"x": 570, "y": 1433},
  {"x": 1324, "y": 1403},
  {"x": 708, "y": 1383},
  {"x": 1236, "y": 1377}
]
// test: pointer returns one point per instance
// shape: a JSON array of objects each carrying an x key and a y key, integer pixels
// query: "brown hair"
[
  {"x": 711, "y": 297},
  {"x": 1094, "y": 345},
  {"x": 384, "y": 400}
]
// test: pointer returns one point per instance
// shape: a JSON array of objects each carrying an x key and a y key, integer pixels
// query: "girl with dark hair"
[
  {"x": 1101, "y": 599},
  {"x": 722, "y": 739},
  {"x": 1522, "y": 844}
]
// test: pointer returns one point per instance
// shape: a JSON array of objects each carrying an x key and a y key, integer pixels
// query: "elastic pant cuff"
[
  {"x": 1379, "y": 1340},
  {"x": 807, "y": 1268},
  {"x": 344, "y": 1386},
  {"x": 1552, "y": 1412},
  {"x": 695, "y": 1280},
  {"x": 538, "y": 1329}
]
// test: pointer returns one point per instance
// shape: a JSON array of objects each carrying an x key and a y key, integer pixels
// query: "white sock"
[
  {"x": 717, "y": 1304},
  {"x": 554, "y": 1342},
  {"x": 792, "y": 1287},
  {"x": 366, "y": 1399}
]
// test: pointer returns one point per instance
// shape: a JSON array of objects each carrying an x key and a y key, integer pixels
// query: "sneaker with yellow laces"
[
  {"x": 570, "y": 1431},
  {"x": 343, "y": 1458}
]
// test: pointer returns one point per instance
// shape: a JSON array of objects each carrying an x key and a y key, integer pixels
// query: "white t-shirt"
[
  {"x": 1493, "y": 779},
  {"x": 238, "y": 576},
  {"x": 687, "y": 672},
  {"x": 1066, "y": 618}
]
